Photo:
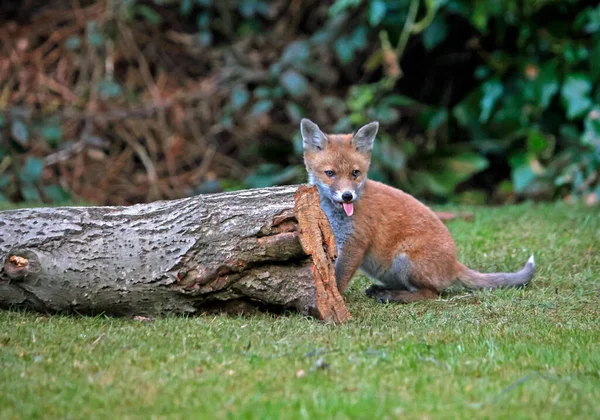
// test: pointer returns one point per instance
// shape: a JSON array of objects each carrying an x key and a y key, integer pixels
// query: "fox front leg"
[{"x": 346, "y": 265}]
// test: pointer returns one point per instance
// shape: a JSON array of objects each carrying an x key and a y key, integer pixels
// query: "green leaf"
[
  {"x": 203, "y": 20},
  {"x": 479, "y": 16},
  {"x": 525, "y": 167},
  {"x": 344, "y": 50},
  {"x": 30, "y": 192},
  {"x": 435, "y": 33},
  {"x": 239, "y": 97},
  {"x": 262, "y": 92},
  {"x": 575, "y": 94},
  {"x": 432, "y": 119},
  {"x": 94, "y": 37},
  {"x": 346, "y": 46},
  {"x": 185, "y": 7},
  {"x": 536, "y": 142},
  {"x": 149, "y": 14},
  {"x": 293, "y": 111},
  {"x": 261, "y": 107},
  {"x": 593, "y": 20},
  {"x": 385, "y": 114},
  {"x": 19, "y": 132},
  {"x": 341, "y": 6},
  {"x": 359, "y": 37},
  {"x": 444, "y": 174},
  {"x": 56, "y": 194},
  {"x": 109, "y": 89},
  {"x": 205, "y": 38},
  {"x": 466, "y": 164},
  {"x": 294, "y": 83},
  {"x": 547, "y": 84},
  {"x": 390, "y": 155},
  {"x": 296, "y": 51},
  {"x": 5, "y": 180},
  {"x": 399, "y": 100},
  {"x": 250, "y": 8},
  {"x": 52, "y": 132},
  {"x": 591, "y": 132},
  {"x": 492, "y": 91},
  {"x": 73, "y": 42},
  {"x": 377, "y": 11},
  {"x": 32, "y": 170}
]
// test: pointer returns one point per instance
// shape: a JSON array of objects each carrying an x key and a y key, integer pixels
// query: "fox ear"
[
  {"x": 312, "y": 136},
  {"x": 365, "y": 136},
  {"x": 363, "y": 139}
]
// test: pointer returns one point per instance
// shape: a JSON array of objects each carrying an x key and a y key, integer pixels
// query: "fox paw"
[
  {"x": 381, "y": 294},
  {"x": 373, "y": 290},
  {"x": 384, "y": 296}
]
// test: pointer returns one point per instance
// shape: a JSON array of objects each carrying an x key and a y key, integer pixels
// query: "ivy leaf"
[
  {"x": 73, "y": 42},
  {"x": 294, "y": 111},
  {"x": 30, "y": 192},
  {"x": 239, "y": 97},
  {"x": 536, "y": 142},
  {"x": 492, "y": 91},
  {"x": 52, "y": 132},
  {"x": 591, "y": 133},
  {"x": 109, "y": 89},
  {"x": 547, "y": 84},
  {"x": 56, "y": 194},
  {"x": 32, "y": 170},
  {"x": 444, "y": 174},
  {"x": 19, "y": 132},
  {"x": 377, "y": 11},
  {"x": 149, "y": 14},
  {"x": 575, "y": 95},
  {"x": 390, "y": 155},
  {"x": 435, "y": 33},
  {"x": 344, "y": 50},
  {"x": 525, "y": 167},
  {"x": 432, "y": 119},
  {"x": 296, "y": 51},
  {"x": 261, "y": 107},
  {"x": 385, "y": 114},
  {"x": 185, "y": 7},
  {"x": 294, "y": 83},
  {"x": 94, "y": 36}
]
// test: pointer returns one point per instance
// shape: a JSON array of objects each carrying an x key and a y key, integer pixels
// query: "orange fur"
[{"x": 388, "y": 223}]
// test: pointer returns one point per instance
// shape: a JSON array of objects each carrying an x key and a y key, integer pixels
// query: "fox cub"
[{"x": 399, "y": 242}]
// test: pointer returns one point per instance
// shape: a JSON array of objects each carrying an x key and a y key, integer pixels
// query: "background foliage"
[{"x": 116, "y": 102}]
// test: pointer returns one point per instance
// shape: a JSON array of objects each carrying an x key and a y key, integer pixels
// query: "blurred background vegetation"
[{"x": 119, "y": 102}]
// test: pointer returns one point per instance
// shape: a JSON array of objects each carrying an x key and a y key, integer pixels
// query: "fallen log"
[{"x": 269, "y": 246}]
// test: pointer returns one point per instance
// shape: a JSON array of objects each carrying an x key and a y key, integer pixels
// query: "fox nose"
[{"x": 347, "y": 196}]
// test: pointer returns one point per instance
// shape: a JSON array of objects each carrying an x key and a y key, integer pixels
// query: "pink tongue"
[{"x": 348, "y": 208}]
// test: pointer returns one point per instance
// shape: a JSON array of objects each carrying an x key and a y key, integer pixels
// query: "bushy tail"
[{"x": 475, "y": 280}]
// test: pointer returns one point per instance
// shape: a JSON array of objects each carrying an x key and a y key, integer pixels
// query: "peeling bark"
[{"x": 173, "y": 256}]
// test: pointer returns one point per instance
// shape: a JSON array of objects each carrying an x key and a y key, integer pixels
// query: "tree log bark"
[{"x": 273, "y": 246}]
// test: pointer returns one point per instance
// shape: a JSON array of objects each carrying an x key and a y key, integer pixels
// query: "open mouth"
[{"x": 348, "y": 208}]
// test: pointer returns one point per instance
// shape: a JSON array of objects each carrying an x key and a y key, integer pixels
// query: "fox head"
[{"x": 338, "y": 163}]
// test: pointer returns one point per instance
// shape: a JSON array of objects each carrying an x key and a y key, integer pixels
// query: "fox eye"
[
  {"x": 355, "y": 173},
  {"x": 330, "y": 174}
]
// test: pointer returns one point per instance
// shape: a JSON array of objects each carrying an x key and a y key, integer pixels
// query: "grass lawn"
[{"x": 532, "y": 353}]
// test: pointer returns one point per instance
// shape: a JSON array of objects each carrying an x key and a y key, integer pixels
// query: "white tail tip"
[{"x": 531, "y": 260}]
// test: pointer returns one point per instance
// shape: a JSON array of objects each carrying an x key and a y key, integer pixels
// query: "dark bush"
[{"x": 121, "y": 102}]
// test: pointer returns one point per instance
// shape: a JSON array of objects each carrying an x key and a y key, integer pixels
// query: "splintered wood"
[{"x": 316, "y": 238}]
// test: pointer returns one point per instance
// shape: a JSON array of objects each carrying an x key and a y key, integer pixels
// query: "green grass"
[{"x": 532, "y": 353}]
